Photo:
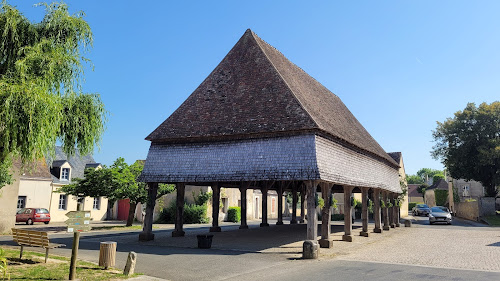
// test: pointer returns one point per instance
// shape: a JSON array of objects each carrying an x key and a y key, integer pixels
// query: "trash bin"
[
  {"x": 205, "y": 241},
  {"x": 107, "y": 254}
]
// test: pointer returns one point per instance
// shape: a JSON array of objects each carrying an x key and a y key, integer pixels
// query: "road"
[{"x": 400, "y": 254}]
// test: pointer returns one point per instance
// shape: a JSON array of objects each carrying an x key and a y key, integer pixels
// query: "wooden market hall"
[{"x": 258, "y": 121}]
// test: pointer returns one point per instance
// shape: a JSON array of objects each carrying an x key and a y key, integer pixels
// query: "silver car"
[{"x": 439, "y": 214}]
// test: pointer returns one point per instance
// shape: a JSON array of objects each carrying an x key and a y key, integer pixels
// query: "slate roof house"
[{"x": 259, "y": 121}]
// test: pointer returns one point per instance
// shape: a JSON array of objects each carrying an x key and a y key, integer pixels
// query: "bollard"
[
  {"x": 310, "y": 250},
  {"x": 407, "y": 223},
  {"x": 107, "y": 254},
  {"x": 130, "y": 266}
]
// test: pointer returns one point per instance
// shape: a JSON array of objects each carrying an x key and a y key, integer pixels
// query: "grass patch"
[
  {"x": 32, "y": 267},
  {"x": 492, "y": 220}
]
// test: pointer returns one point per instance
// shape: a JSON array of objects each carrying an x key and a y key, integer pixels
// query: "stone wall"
[
  {"x": 486, "y": 206},
  {"x": 467, "y": 210}
]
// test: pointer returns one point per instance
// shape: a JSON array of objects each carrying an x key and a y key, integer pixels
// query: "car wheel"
[
  {"x": 29, "y": 221},
  {"x": 46, "y": 222}
]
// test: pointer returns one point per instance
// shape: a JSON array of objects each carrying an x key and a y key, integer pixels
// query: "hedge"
[
  {"x": 234, "y": 214},
  {"x": 192, "y": 214}
]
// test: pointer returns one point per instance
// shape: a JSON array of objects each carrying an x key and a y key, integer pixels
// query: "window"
[
  {"x": 97, "y": 203},
  {"x": 62, "y": 202},
  {"x": 21, "y": 202},
  {"x": 65, "y": 174},
  {"x": 466, "y": 190}
]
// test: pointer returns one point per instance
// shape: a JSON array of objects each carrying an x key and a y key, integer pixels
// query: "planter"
[{"x": 205, "y": 241}]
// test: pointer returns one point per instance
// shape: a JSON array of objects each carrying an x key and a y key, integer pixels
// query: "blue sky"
[{"x": 399, "y": 66}]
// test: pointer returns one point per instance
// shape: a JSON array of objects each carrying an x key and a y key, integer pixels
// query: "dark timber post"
[
  {"x": 347, "y": 214},
  {"x": 364, "y": 211},
  {"x": 376, "y": 210},
  {"x": 385, "y": 212},
  {"x": 74, "y": 250},
  {"x": 279, "y": 190},
  {"x": 179, "y": 210},
  {"x": 326, "y": 192},
  {"x": 312, "y": 221},
  {"x": 147, "y": 230},
  {"x": 243, "y": 189},
  {"x": 303, "y": 204},
  {"x": 215, "y": 207},
  {"x": 294, "y": 203},
  {"x": 264, "y": 189},
  {"x": 398, "y": 209},
  {"x": 392, "y": 210}
]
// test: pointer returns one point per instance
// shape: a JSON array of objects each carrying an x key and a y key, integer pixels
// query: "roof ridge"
[{"x": 255, "y": 37}]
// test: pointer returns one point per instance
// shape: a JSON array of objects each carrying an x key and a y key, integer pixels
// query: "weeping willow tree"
[{"x": 41, "y": 97}]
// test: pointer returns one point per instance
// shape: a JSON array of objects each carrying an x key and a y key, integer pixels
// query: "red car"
[{"x": 32, "y": 215}]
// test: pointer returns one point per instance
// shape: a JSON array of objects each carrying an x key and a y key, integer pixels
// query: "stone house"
[{"x": 413, "y": 195}]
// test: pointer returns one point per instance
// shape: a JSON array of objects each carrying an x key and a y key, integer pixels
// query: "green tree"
[
  {"x": 428, "y": 173},
  {"x": 469, "y": 145},
  {"x": 421, "y": 189},
  {"x": 414, "y": 179},
  {"x": 119, "y": 181},
  {"x": 41, "y": 98}
]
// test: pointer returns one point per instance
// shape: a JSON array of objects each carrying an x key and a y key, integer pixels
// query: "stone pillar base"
[
  {"x": 146, "y": 236},
  {"x": 293, "y": 222},
  {"x": 364, "y": 234},
  {"x": 347, "y": 238},
  {"x": 387, "y": 228},
  {"x": 243, "y": 226},
  {"x": 325, "y": 243},
  {"x": 279, "y": 223},
  {"x": 176, "y": 233},
  {"x": 407, "y": 223},
  {"x": 264, "y": 224},
  {"x": 302, "y": 221},
  {"x": 377, "y": 230},
  {"x": 310, "y": 250},
  {"x": 393, "y": 225},
  {"x": 398, "y": 225},
  {"x": 215, "y": 229}
]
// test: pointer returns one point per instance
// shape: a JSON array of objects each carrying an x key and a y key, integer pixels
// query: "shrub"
[
  {"x": 411, "y": 206},
  {"x": 321, "y": 203},
  {"x": 441, "y": 196},
  {"x": 202, "y": 198},
  {"x": 192, "y": 214},
  {"x": 337, "y": 217},
  {"x": 234, "y": 214}
]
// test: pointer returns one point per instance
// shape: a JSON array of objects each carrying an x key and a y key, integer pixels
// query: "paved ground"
[{"x": 462, "y": 251}]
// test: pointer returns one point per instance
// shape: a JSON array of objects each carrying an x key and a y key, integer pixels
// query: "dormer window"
[{"x": 65, "y": 174}]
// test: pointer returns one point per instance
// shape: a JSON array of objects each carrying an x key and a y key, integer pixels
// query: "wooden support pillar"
[
  {"x": 326, "y": 218},
  {"x": 279, "y": 190},
  {"x": 264, "y": 189},
  {"x": 385, "y": 211},
  {"x": 312, "y": 221},
  {"x": 347, "y": 214},
  {"x": 376, "y": 210},
  {"x": 147, "y": 230},
  {"x": 364, "y": 211},
  {"x": 215, "y": 208},
  {"x": 398, "y": 210},
  {"x": 179, "y": 210},
  {"x": 294, "y": 203},
  {"x": 303, "y": 204},
  {"x": 392, "y": 218},
  {"x": 243, "y": 189}
]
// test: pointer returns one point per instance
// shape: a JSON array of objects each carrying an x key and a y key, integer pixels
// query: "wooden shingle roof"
[{"x": 256, "y": 92}]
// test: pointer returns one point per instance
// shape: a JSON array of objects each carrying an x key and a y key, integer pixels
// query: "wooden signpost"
[{"x": 78, "y": 221}]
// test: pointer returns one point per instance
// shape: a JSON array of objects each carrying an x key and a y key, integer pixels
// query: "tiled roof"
[
  {"x": 37, "y": 170},
  {"x": 440, "y": 184},
  {"x": 412, "y": 190},
  {"x": 257, "y": 92},
  {"x": 396, "y": 156},
  {"x": 77, "y": 162}
]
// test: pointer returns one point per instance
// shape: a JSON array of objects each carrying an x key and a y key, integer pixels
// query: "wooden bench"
[{"x": 33, "y": 238}]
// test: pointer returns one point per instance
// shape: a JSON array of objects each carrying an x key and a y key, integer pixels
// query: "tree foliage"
[
  {"x": 421, "y": 189},
  {"x": 41, "y": 98},
  {"x": 469, "y": 144},
  {"x": 119, "y": 181},
  {"x": 414, "y": 179}
]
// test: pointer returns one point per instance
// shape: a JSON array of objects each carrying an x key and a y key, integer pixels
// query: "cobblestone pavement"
[{"x": 474, "y": 248}]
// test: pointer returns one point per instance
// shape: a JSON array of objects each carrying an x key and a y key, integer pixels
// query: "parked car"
[
  {"x": 421, "y": 209},
  {"x": 32, "y": 215},
  {"x": 440, "y": 214}
]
